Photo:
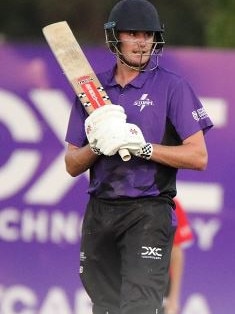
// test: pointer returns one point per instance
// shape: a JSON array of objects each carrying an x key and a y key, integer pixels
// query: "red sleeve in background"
[{"x": 184, "y": 235}]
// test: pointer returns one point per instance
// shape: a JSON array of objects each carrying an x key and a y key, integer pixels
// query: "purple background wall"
[{"x": 41, "y": 207}]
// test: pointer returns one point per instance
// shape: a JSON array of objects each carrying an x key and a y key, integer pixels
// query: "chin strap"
[{"x": 151, "y": 65}]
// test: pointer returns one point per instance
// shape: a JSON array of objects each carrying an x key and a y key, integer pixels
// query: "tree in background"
[
  {"x": 202, "y": 23},
  {"x": 182, "y": 22},
  {"x": 221, "y": 25}
]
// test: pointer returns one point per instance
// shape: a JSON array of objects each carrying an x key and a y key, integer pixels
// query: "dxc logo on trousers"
[{"x": 151, "y": 252}]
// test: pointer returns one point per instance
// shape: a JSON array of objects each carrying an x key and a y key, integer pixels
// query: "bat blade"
[{"x": 77, "y": 69}]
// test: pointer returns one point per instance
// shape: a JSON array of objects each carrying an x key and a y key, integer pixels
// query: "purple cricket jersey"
[{"x": 167, "y": 111}]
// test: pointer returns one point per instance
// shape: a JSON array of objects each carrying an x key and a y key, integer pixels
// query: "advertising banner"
[{"x": 42, "y": 207}]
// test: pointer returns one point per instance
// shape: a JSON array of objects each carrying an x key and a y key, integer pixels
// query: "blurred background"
[
  {"x": 41, "y": 207},
  {"x": 201, "y": 23}
]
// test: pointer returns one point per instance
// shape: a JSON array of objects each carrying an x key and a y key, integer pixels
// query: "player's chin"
[
  {"x": 141, "y": 58},
  {"x": 140, "y": 64}
]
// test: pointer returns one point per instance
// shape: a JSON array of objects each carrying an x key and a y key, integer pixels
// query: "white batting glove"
[
  {"x": 101, "y": 119},
  {"x": 117, "y": 137},
  {"x": 110, "y": 137},
  {"x": 136, "y": 143},
  {"x": 144, "y": 151}
]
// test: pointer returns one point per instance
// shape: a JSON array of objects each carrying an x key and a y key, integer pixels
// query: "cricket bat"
[{"x": 77, "y": 70}]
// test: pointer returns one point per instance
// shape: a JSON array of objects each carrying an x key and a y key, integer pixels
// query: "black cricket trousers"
[{"x": 125, "y": 254}]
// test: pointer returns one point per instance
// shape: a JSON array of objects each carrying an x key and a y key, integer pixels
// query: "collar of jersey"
[{"x": 138, "y": 82}]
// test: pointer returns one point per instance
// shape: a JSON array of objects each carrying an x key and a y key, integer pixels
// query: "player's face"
[{"x": 136, "y": 47}]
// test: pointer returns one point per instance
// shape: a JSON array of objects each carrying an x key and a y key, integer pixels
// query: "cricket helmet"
[{"x": 134, "y": 15}]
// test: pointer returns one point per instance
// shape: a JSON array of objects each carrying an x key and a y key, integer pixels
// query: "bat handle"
[{"x": 124, "y": 153}]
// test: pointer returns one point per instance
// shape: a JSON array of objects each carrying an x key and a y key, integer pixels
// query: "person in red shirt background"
[{"x": 183, "y": 238}]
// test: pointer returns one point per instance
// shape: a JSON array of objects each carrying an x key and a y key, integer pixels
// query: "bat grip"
[{"x": 124, "y": 153}]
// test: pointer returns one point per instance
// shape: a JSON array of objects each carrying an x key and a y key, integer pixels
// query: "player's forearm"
[
  {"x": 183, "y": 156},
  {"x": 177, "y": 265},
  {"x": 78, "y": 160},
  {"x": 192, "y": 154}
]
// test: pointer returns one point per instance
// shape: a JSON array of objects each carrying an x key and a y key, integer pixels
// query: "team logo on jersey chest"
[{"x": 143, "y": 102}]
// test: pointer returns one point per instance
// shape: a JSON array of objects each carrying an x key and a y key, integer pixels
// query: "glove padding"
[
  {"x": 141, "y": 148},
  {"x": 111, "y": 140},
  {"x": 101, "y": 119}
]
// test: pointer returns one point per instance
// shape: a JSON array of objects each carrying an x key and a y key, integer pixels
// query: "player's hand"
[
  {"x": 136, "y": 144},
  {"x": 111, "y": 139},
  {"x": 144, "y": 151},
  {"x": 101, "y": 120},
  {"x": 126, "y": 136},
  {"x": 171, "y": 306}
]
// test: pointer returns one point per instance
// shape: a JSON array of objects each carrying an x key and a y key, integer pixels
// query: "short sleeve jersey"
[{"x": 167, "y": 111}]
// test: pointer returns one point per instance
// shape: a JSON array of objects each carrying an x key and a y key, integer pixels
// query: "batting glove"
[
  {"x": 128, "y": 135},
  {"x": 101, "y": 120},
  {"x": 136, "y": 143},
  {"x": 144, "y": 151}
]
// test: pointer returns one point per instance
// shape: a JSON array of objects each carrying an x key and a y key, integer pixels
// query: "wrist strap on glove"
[
  {"x": 96, "y": 150},
  {"x": 145, "y": 151}
]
